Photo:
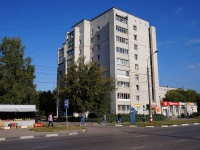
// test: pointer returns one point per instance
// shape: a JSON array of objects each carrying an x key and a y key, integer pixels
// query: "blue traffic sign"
[{"x": 66, "y": 103}]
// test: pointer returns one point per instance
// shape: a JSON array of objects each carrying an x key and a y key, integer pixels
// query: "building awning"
[{"x": 18, "y": 108}]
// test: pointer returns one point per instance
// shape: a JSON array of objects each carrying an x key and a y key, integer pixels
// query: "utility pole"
[{"x": 149, "y": 95}]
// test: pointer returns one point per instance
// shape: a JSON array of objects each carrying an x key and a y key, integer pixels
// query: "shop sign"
[
  {"x": 190, "y": 103},
  {"x": 137, "y": 105},
  {"x": 166, "y": 103}
]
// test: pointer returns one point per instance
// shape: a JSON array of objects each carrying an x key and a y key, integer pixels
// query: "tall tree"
[
  {"x": 86, "y": 87},
  {"x": 47, "y": 102},
  {"x": 16, "y": 74}
]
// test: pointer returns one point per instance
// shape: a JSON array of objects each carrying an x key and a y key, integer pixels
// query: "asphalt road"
[{"x": 116, "y": 138}]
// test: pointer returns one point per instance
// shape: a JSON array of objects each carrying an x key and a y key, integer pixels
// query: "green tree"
[
  {"x": 86, "y": 87},
  {"x": 47, "y": 102},
  {"x": 182, "y": 95},
  {"x": 16, "y": 74}
]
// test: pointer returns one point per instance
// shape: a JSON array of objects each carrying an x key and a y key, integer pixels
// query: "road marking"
[
  {"x": 196, "y": 123},
  {"x": 74, "y": 133},
  {"x": 180, "y": 141},
  {"x": 165, "y": 126},
  {"x": 26, "y": 137},
  {"x": 185, "y": 124},
  {"x": 149, "y": 126},
  {"x": 2, "y": 139},
  {"x": 51, "y": 135},
  {"x": 40, "y": 147},
  {"x": 138, "y": 147}
]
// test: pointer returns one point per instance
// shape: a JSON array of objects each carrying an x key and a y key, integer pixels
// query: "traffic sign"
[{"x": 66, "y": 103}]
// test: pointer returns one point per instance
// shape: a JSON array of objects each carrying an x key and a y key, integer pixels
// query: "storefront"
[
  {"x": 175, "y": 109},
  {"x": 17, "y": 116}
]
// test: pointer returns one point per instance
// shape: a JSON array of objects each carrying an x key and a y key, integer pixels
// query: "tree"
[
  {"x": 86, "y": 87},
  {"x": 47, "y": 102},
  {"x": 16, "y": 74}
]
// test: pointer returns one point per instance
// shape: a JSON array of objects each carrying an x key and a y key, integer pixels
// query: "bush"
[
  {"x": 93, "y": 115},
  {"x": 183, "y": 115}
]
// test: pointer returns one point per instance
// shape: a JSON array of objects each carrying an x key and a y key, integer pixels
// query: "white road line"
[
  {"x": 185, "y": 124},
  {"x": 26, "y": 137},
  {"x": 174, "y": 125},
  {"x": 2, "y": 139},
  {"x": 164, "y": 126},
  {"x": 138, "y": 147},
  {"x": 51, "y": 135},
  {"x": 196, "y": 123},
  {"x": 149, "y": 126},
  {"x": 74, "y": 133}
]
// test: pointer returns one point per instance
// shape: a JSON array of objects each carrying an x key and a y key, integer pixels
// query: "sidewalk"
[{"x": 25, "y": 133}]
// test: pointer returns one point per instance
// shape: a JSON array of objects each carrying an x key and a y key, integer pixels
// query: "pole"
[
  {"x": 66, "y": 119},
  {"x": 150, "y": 114}
]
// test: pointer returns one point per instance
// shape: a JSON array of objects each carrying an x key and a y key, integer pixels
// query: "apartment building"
[{"x": 125, "y": 46}]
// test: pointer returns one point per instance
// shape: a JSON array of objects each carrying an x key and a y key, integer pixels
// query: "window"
[
  {"x": 136, "y": 57},
  {"x": 122, "y": 62},
  {"x": 135, "y": 37},
  {"x": 121, "y": 29},
  {"x": 137, "y": 87},
  {"x": 123, "y": 107},
  {"x": 92, "y": 40},
  {"x": 128, "y": 107},
  {"x": 98, "y": 57},
  {"x": 123, "y": 96},
  {"x": 79, "y": 42},
  {"x": 137, "y": 77},
  {"x": 136, "y": 47},
  {"x": 122, "y": 40},
  {"x": 135, "y": 28},
  {"x": 92, "y": 50},
  {"x": 69, "y": 61},
  {"x": 79, "y": 51},
  {"x": 123, "y": 84},
  {"x": 136, "y": 67},
  {"x": 123, "y": 73},
  {"x": 137, "y": 97},
  {"x": 92, "y": 59},
  {"x": 92, "y": 31},
  {"x": 122, "y": 50},
  {"x": 70, "y": 52},
  {"x": 98, "y": 47},
  {"x": 98, "y": 37},
  {"x": 98, "y": 28},
  {"x": 121, "y": 19}
]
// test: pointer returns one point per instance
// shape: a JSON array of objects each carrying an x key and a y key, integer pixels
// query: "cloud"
[
  {"x": 193, "y": 41},
  {"x": 178, "y": 11},
  {"x": 194, "y": 67}
]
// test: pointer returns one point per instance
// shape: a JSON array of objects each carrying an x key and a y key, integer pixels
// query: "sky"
[{"x": 42, "y": 26}]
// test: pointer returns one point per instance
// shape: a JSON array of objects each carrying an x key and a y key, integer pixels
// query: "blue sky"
[{"x": 42, "y": 25}]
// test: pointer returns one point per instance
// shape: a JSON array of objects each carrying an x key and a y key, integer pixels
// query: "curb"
[{"x": 40, "y": 136}]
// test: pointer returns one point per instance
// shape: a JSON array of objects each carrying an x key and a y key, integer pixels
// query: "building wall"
[{"x": 104, "y": 27}]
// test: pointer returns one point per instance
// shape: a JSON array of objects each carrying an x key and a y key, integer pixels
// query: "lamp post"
[{"x": 150, "y": 113}]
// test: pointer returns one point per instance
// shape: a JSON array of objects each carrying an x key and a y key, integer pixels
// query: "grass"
[
  {"x": 166, "y": 122},
  {"x": 57, "y": 128}
]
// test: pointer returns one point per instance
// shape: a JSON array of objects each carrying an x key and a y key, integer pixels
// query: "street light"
[{"x": 150, "y": 113}]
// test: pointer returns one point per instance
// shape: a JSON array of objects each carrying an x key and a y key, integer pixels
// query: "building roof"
[
  {"x": 102, "y": 14},
  {"x": 18, "y": 108}
]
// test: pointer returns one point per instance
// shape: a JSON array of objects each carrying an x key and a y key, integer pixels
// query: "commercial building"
[{"x": 125, "y": 46}]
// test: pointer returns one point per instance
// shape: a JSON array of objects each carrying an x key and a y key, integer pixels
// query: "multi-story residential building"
[{"x": 125, "y": 46}]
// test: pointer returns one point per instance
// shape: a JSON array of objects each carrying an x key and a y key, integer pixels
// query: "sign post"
[{"x": 66, "y": 105}]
